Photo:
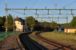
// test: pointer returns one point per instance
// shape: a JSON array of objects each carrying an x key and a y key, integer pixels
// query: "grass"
[
  {"x": 4, "y": 35},
  {"x": 64, "y": 38}
]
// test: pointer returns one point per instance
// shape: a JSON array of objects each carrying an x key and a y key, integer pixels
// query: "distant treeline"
[{"x": 33, "y": 24}]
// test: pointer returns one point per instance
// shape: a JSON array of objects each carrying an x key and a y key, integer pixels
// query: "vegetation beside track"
[
  {"x": 60, "y": 37},
  {"x": 4, "y": 35}
]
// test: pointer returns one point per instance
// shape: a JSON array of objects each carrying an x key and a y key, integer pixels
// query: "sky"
[{"x": 35, "y": 4}]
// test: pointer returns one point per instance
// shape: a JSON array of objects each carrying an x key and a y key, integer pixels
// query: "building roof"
[{"x": 20, "y": 19}]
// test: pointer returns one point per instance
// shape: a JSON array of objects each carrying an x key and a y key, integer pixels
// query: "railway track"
[
  {"x": 55, "y": 44},
  {"x": 30, "y": 44}
]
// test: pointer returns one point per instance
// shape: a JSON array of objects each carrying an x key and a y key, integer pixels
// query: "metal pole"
[
  {"x": 24, "y": 23},
  {"x": 13, "y": 25},
  {"x": 48, "y": 12},
  {"x": 6, "y": 11},
  {"x": 36, "y": 11},
  {"x": 6, "y": 22}
]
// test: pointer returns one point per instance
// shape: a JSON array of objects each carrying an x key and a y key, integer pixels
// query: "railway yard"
[
  {"x": 37, "y": 25},
  {"x": 32, "y": 41}
]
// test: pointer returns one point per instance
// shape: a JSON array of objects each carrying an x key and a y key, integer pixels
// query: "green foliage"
[
  {"x": 50, "y": 24},
  {"x": 9, "y": 23},
  {"x": 1, "y": 21},
  {"x": 65, "y": 24},
  {"x": 45, "y": 24},
  {"x": 30, "y": 21},
  {"x": 53, "y": 24},
  {"x": 73, "y": 22}
]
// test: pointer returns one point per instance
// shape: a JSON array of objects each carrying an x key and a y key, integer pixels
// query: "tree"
[
  {"x": 73, "y": 22},
  {"x": 37, "y": 26},
  {"x": 1, "y": 21},
  {"x": 2, "y": 24},
  {"x": 50, "y": 24},
  {"x": 45, "y": 24},
  {"x": 9, "y": 23},
  {"x": 53, "y": 24},
  {"x": 30, "y": 21}
]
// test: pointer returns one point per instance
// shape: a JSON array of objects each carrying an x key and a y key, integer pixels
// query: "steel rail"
[{"x": 58, "y": 45}]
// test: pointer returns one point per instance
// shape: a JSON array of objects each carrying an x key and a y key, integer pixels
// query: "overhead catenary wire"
[
  {"x": 37, "y": 14},
  {"x": 18, "y": 12}
]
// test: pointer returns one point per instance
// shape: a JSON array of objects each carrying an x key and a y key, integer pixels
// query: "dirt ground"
[{"x": 10, "y": 43}]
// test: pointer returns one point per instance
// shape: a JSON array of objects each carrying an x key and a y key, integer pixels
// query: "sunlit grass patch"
[{"x": 61, "y": 37}]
